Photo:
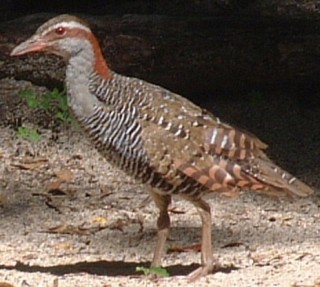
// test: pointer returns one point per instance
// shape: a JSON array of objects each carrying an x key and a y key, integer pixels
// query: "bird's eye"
[{"x": 60, "y": 30}]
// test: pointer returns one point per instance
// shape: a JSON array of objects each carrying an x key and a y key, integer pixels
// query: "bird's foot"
[{"x": 204, "y": 270}]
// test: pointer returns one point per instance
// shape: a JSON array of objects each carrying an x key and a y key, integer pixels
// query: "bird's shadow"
[{"x": 107, "y": 268}]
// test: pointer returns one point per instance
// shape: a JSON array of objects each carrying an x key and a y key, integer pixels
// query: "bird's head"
[{"x": 65, "y": 36}]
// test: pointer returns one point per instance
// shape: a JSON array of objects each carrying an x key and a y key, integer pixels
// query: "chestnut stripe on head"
[{"x": 78, "y": 30}]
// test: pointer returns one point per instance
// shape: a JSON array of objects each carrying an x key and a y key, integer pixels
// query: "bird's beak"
[{"x": 33, "y": 44}]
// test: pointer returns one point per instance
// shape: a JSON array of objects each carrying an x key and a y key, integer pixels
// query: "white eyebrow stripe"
[{"x": 70, "y": 24}]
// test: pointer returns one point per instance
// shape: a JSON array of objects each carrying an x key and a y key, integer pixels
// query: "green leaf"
[
  {"x": 30, "y": 97},
  {"x": 54, "y": 102},
  {"x": 159, "y": 271},
  {"x": 28, "y": 134},
  {"x": 26, "y": 93},
  {"x": 62, "y": 116}
]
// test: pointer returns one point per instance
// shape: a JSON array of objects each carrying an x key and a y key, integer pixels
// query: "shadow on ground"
[{"x": 109, "y": 268}]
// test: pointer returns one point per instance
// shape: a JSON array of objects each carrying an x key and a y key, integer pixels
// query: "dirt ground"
[{"x": 67, "y": 218}]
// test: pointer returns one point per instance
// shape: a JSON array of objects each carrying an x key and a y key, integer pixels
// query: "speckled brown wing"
[
  {"x": 173, "y": 154},
  {"x": 181, "y": 137},
  {"x": 250, "y": 166}
]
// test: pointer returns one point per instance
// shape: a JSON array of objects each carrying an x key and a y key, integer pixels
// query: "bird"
[{"x": 161, "y": 139}]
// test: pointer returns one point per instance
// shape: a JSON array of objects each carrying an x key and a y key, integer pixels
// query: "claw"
[{"x": 209, "y": 268}]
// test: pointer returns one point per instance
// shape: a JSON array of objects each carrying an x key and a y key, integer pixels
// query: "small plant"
[
  {"x": 29, "y": 134},
  {"x": 59, "y": 99},
  {"x": 158, "y": 271},
  {"x": 30, "y": 97},
  {"x": 54, "y": 100},
  {"x": 55, "y": 105}
]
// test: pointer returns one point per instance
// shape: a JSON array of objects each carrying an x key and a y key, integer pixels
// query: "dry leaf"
[
  {"x": 175, "y": 210},
  {"x": 63, "y": 246},
  {"x": 118, "y": 224},
  {"x": 262, "y": 259},
  {"x": 5, "y": 284},
  {"x": 303, "y": 255},
  {"x": 54, "y": 185},
  {"x": 58, "y": 192},
  {"x": 102, "y": 221},
  {"x": 48, "y": 201},
  {"x": 64, "y": 175},
  {"x": 287, "y": 221},
  {"x": 232, "y": 244},
  {"x": 70, "y": 229},
  {"x": 64, "y": 229},
  {"x": 3, "y": 199},
  {"x": 188, "y": 248},
  {"x": 30, "y": 164},
  {"x": 105, "y": 191},
  {"x": 287, "y": 218},
  {"x": 77, "y": 156},
  {"x": 54, "y": 188}
]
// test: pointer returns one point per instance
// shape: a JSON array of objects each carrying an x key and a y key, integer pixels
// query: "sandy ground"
[{"x": 68, "y": 219}]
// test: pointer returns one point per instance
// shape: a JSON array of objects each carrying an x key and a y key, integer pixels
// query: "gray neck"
[{"x": 79, "y": 69}]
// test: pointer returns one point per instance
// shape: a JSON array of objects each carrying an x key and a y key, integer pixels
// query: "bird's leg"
[
  {"x": 163, "y": 224},
  {"x": 207, "y": 259}
]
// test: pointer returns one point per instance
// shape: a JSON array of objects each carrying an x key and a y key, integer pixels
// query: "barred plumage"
[{"x": 156, "y": 136}]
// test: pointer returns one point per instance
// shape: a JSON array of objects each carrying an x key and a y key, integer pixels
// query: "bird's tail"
[
  {"x": 275, "y": 179},
  {"x": 260, "y": 174}
]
